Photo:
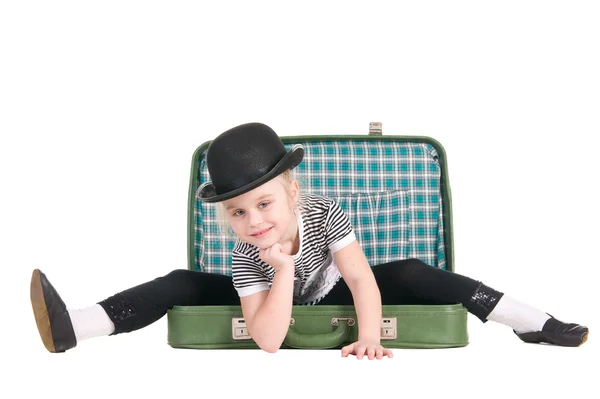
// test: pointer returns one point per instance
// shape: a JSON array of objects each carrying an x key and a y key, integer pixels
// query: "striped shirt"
[{"x": 323, "y": 229}]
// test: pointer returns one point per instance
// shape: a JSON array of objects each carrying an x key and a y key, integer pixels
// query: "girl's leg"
[
  {"x": 411, "y": 281},
  {"x": 142, "y": 305},
  {"x": 61, "y": 328}
]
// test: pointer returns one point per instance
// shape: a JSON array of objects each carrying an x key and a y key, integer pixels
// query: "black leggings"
[{"x": 401, "y": 282}]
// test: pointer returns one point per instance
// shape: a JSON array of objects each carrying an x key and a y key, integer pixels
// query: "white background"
[{"x": 103, "y": 104}]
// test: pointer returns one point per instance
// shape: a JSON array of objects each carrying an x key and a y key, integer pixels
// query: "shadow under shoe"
[
  {"x": 51, "y": 315},
  {"x": 556, "y": 332}
]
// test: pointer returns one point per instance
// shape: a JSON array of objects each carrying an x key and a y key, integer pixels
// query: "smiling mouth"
[{"x": 261, "y": 233}]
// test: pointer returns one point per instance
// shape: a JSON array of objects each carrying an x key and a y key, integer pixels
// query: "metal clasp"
[
  {"x": 389, "y": 329},
  {"x": 239, "y": 329},
  {"x": 375, "y": 129},
  {"x": 336, "y": 321}
]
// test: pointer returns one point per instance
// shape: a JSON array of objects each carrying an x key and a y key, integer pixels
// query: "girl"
[{"x": 290, "y": 249}]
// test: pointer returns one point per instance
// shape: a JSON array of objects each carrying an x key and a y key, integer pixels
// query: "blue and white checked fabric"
[
  {"x": 381, "y": 223},
  {"x": 389, "y": 190}
]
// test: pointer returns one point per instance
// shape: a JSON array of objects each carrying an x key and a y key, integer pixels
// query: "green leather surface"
[{"x": 418, "y": 326}]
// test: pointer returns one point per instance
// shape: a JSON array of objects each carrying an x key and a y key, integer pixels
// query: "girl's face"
[{"x": 265, "y": 216}]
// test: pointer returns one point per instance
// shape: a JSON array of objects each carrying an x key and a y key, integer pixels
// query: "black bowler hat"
[{"x": 243, "y": 158}]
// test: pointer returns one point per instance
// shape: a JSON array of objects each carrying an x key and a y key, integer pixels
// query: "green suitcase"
[{"x": 403, "y": 181}]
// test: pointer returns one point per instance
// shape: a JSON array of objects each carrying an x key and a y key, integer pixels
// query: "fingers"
[
  {"x": 354, "y": 349},
  {"x": 348, "y": 349},
  {"x": 271, "y": 253},
  {"x": 388, "y": 353},
  {"x": 380, "y": 352},
  {"x": 360, "y": 351},
  {"x": 276, "y": 248},
  {"x": 372, "y": 352}
]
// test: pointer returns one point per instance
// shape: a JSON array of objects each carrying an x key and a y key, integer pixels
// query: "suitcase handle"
[{"x": 332, "y": 339}]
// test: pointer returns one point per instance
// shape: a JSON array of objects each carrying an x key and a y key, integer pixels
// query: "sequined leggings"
[{"x": 401, "y": 282}]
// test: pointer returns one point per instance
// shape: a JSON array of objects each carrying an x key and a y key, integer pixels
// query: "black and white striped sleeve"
[
  {"x": 338, "y": 230},
  {"x": 248, "y": 275}
]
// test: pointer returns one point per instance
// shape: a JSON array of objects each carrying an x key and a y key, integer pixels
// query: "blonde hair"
[{"x": 223, "y": 223}]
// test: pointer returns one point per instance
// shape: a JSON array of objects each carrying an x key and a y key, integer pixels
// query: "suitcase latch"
[
  {"x": 389, "y": 328},
  {"x": 239, "y": 330}
]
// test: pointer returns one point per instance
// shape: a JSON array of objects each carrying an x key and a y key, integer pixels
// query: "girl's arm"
[
  {"x": 357, "y": 274},
  {"x": 267, "y": 313}
]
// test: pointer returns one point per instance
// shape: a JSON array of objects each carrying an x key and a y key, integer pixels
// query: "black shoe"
[
  {"x": 556, "y": 332},
  {"x": 51, "y": 315}
]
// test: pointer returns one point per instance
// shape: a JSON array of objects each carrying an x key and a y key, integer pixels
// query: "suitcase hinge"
[{"x": 375, "y": 129}]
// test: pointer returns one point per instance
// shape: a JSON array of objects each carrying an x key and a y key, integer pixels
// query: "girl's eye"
[
  {"x": 263, "y": 204},
  {"x": 238, "y": 213}
]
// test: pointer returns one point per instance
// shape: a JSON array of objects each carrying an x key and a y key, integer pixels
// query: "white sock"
[
  {"x": 521, "y": 317},
  {"x": 90, "y": 322}
]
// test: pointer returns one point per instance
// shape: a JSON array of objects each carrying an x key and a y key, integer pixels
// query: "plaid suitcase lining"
[{"x": 389, "y": 190}]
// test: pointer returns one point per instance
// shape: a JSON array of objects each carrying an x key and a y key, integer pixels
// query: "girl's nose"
[{"x": 255, "y": 218}]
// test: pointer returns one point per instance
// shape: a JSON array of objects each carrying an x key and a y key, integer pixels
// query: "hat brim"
[{"x": 206, "y": 192}]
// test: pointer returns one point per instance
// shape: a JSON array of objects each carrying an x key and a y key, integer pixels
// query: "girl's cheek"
[{"x": 234, "y": 224}]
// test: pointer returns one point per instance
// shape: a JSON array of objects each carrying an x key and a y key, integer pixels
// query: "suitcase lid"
[{"x": 394, "y": 189}]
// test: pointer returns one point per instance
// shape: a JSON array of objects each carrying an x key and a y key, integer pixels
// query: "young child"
[{"x": 291, "y": 248}]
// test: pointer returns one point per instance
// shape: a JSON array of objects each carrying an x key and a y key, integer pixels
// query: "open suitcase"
[{"x": 404, "y": 179}]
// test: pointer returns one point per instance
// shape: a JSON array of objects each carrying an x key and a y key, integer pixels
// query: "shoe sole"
[
  {"x": 534, "y": 338},
  {"x": 40, "y": 311}
]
